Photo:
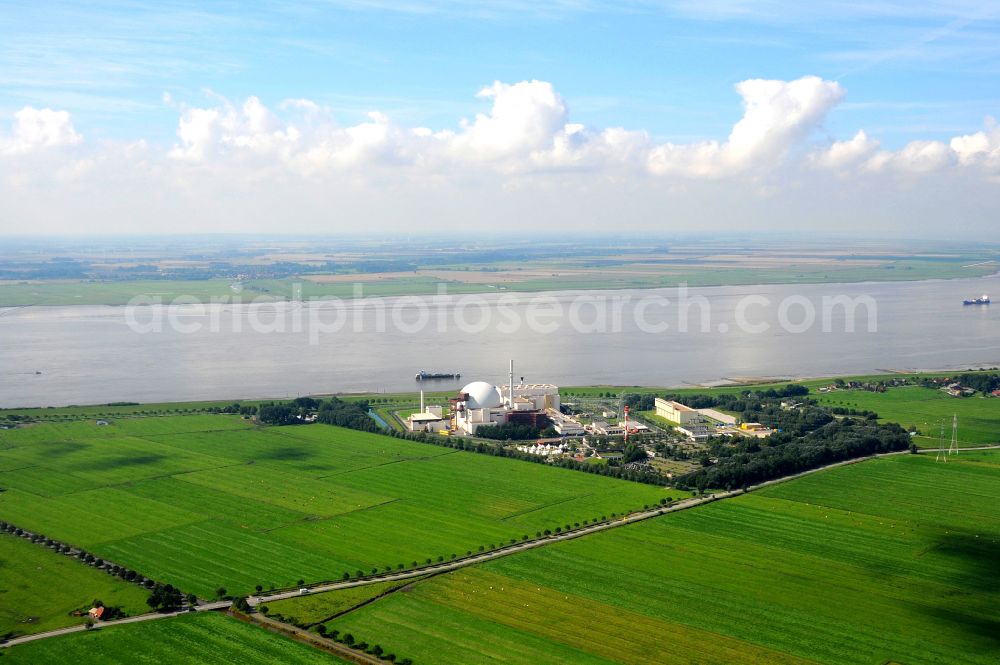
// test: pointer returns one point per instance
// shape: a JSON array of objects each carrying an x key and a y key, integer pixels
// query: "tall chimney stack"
[{"x": 511, "y": 394}]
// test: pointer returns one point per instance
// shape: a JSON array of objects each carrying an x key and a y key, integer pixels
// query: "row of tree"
[
  {"x": 349, "y": 640},
  {"x": 332, "y": 411},
  {"x": 167, "y": 597},
  {"x": 984, "y": 383},
  {"x": 753, "y": 461},
  {"x": 162, "y": 596},
  {"x": 347, "y": 414}
]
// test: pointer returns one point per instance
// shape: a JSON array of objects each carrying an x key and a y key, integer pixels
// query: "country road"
[
  {"x": 207, "y": 607},
  {"x": 485, "y": 556}
]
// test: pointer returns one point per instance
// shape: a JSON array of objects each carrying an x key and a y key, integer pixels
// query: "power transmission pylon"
[
  {"x": 940, "y": 457},
  {"x": 942, "y": 454}
]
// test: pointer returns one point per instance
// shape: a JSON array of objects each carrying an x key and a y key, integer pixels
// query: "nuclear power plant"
[{"x": 481, "y": 403}]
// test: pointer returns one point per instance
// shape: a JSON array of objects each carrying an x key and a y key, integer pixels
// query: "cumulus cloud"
[
  {"x": 915, "y": 157},
  {"x": 527, "y": 128},
  {"x": 981, "y": 148},
  {"x": 525, "y": 117},
  {"x": 841, "y": 155},
  {"x": 241, "y": 165},
  {"x": 35, "y": 129},
  {"x": 777, "y": 115}
]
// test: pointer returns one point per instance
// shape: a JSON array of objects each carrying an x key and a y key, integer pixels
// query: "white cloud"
[
  {"x": 916, "y": 157},
  {"x": 39, "y": 128},
  {"x": 245, "y": 166},
  {"x": 841, "y": 155},
  {"x": 777, "y": 116},
  {"x": 525, "y": 117},
  {"x": 981, "y": 148},
  {"x": 526, "y": 129}
]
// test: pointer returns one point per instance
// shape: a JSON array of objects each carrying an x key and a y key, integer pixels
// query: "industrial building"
[
  {"x": 537, "y": 396},
  {"x": 755, "y": 430},
  {"x": 695, "y": 431},
  {"x": 690, "y": 422},
  {"x": 718, "y": 416},
  {"x": 480, "y": 403},
  {"x": 565, "y": 425},
  {"x": 675, "y": 411},
  {"x": 604, "y": 429},
  {"x": 429, "y": 419}
]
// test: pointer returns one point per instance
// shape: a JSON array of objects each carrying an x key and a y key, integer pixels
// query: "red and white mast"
[{"x": 626, "y": 423}]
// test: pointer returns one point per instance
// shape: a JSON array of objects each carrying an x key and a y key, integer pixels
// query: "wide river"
[{"x": 97, "y": 354}]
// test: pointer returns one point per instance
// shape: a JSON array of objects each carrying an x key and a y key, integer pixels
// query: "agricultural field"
[
  {"x": 316, "y": 608},
  {"x": 888, "y": 560},
  {"x": 40, "y": 589},
  {"x": 204, "y": 638},
  {"x": 926, "y": 409},
  {"x": 422, "y": 272},
  {"x": 87, "y": 292},
  {"x": 209, "y": 501}
]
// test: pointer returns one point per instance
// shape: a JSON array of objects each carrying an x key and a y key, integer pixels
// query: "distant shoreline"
[
  {"x": 738, "y": 382},
  {"x": 463, "y": 291}
]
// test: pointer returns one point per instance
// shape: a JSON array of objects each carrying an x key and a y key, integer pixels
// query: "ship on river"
[
  {"x": 425, "y": 376},
  {"x": 982, "y": 300}
]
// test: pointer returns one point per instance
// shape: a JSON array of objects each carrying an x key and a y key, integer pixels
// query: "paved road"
[
  {"x": 207, "y": 607},
  {"x": 485, "y": 556}
]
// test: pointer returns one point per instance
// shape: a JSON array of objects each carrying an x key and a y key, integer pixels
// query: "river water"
[{"x": 96, "y": 354}]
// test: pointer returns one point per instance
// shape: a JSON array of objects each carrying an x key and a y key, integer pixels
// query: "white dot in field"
[{"x": 723, "y": 327}]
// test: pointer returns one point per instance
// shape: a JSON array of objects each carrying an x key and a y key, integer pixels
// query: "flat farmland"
[
  {"x": 889, "y": 560},
  {"x": 195, "y": 639},
  {"x": 317, "y": 607},
  {"x": 210, "y": 500},
  {"x": 40, "y": 589},
  {"x": 926, "y": 409}
]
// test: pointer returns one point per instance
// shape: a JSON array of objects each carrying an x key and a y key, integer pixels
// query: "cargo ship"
[
  {"x": 982, "y": 300},
  {"x": 424, "y": 376}
]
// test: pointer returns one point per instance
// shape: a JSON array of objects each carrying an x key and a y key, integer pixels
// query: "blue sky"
[
  {"x": 659, "y": 114},
  {"x": 911, "y": 70}
]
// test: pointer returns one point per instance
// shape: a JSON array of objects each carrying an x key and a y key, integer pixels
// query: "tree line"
[
  {"x": 752, "y": 461},
  {"x": 331, "y": 411}
]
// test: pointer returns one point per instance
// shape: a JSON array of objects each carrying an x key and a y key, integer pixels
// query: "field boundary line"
[
  {"x": 528, "y": 511},
  {"x": 307, "y": 638},
  {"x": 368, "y": 601}
]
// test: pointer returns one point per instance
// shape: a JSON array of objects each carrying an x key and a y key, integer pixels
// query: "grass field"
[
  {"x": 40, "y": 589},
  {"x": 318, "y": 607},
  {"x": 528, "y": 277},
  {"x": 196, "y": 639},
  {"x": 926, "y": 409},
  {"x": 891, "y": 560},
  {"x": 206, "y": 501},
  {"x": 74, "y": 292}
]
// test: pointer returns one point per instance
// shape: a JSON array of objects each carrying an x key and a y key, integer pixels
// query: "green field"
[
  {"x": 74, "y": 292},
  {"x": 205, "y": 501},
  {"x": 40, "y": 589},
  {"x": 926, "y": 409},
  {"x": 196, "y": 639},
  {"x": 890, "y": 560},
  {"x": 314, "y": 608},
  {"x": 525, "y": 277}
]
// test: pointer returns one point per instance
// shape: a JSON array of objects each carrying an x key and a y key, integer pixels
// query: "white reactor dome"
[{"x": 482, "y": 395}]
